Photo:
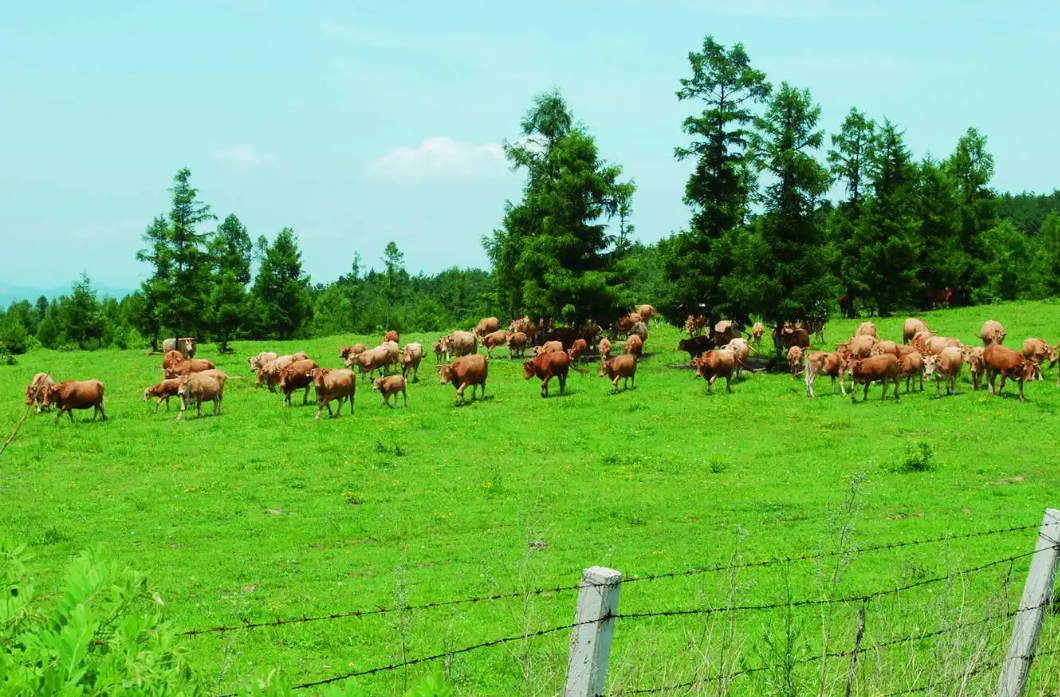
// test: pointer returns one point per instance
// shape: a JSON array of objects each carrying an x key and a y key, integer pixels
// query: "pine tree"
[
  {"x": 230, "y": 252},
  {"x": 1047, "y": 259},
  {"x": 149, "y": 309},
  {"x": 396, "y": 280},
  {"x": 281, "y": 290},
  {"x": 971, "y": 168},
  {"x": 184, "y": 305},
  {"x": 82, "y": 319}
]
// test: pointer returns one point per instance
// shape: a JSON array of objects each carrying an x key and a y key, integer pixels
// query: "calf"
[
  {"x": 1009, "y": 363},
  {"x": 189, "y": 366},
  {"x": 346, "y": 351},
  {"x": 1038, "y": 352},
  {"x": 171, "y": 359},
  {"x": 623, "y": 368},
  {"x": 391, "y": 385},
  {"x": 742, "y": 349},
  {"x": 579, "y": 347},
  {"x": 333, "y": 385},
  {"x": 634, "y": 345},
  {"x": 493, "y": 340},
  {"x": 756, "y": 334},
  {"x": 859, "y": 346},
  {"x": 163, "y": 391},
  {"x": 714, "y": 364},
  {"x": 911, "y": 366},
  {"x": 76, "y": 394},
  {"x": 866, "y": 371},
  {"x": 646, "y": 312},
  {"x": 604, "y": 348},
  {"x": 695, "y": 347},
  {"x": 945, "y": 365},
  {"x": 517, "y": 342},
  {"x": 37, "y": 389},
  {"x": 256, "y": 362},
  {"x": 466, "y": 370},
  {"x": 824, "y": 363},
  {"x": 204, "y": 386},
  {"x": 546, "y": 366},
  {"x": 439, "y": 350},
  {"x": 794, "y": 360},
  {"x": 297, "y": 376},
  {"x": 410, "y": 358}
]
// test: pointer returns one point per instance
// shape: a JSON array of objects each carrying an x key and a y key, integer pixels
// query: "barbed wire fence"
[{"x": 597, "y": 615}]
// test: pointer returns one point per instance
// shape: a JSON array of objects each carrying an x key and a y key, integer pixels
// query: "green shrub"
[{"x": 919, "y": 457}]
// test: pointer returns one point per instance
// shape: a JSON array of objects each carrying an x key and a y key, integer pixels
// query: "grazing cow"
[
  {"x": 993, "y": 332},
  {"x": 517, "y": 342},
  {"x": 694, "y": 325},
  {"x": 163, "y": 391},
  {"x": 714, "y": 364},
  {"x": 256, "y": 362},
  {"x": 189, "y": 366},
  {"x": 391, "y": 335},
  {"x": 378, "y": 358},
  {"x": 646, "y": 312},
  {"x": 604, "y": 348},
  {"x": 695, "y": 346},
  {"x": 973, "y": 356},
  {"x": 935, "y": 344},
  {"x": 911, "y": 366},
  {"x": 493, "y": 340},
  {"x": 639, "y": 329},
  {"x": 37, "y": 389},
  {"x": 867, "y": 329},
  {"x": 1037, "y": 352},
  {"x": 205, "y": 386},
  {"x": 460, "y": 343},
  {"x": 1009, "y": 363},
  {"x": 524, "y": 325},
  {"x": 331, "y": 386},
  {"x": 634, "y": 345},
  {"x": 546, "y": 366},
  {"x": 742, "y": 349},
  {"x": 580, "y": 346},
  {"x": 391, "y": 385},
  {"x": 859, "y": 346},
  {"x": 467, "y": 370},
  {"x": 270, "y": 372},
  {"x": 346, "y": 351},
  {"x": 487, "y": 325},
  {"x": 410, "y": 359},
  {"x": 824, "y": 363},
  {"x": 912, "y": 327},
  {"x": 76, "y": 394},
  {"x": 171, "y": 360},
  {"x": 883, "y": 347},
  {"x": 549, "y": 347},
  {"x": 756, "y": 334},
  {"x": 794, "y": 360},
  {"x": 795, "y": 336},
  {"x": 297, "y": 376},
  {"x": 945, "y": 365},
  {"x": 620, "y": 368},
  {"x": 866, "y": 371}
]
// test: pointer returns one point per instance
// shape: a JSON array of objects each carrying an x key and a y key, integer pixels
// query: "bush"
[
  {"x": 13, "y": 337},
  {"x": 919, "y": 457}
]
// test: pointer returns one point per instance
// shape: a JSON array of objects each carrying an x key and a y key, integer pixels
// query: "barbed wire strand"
[{"x": 964, "y": 676}]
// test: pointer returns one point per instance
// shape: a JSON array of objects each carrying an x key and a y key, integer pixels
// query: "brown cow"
[
  {"x": 333, "y": 385},
  {"x": 883, "y": 347},
  {"x": 439, "y": 350},
  {"x": 634, "y": 345},
  {"x": 524, "y": 325},
  {"x": 37, "y": 389},
  {"x": 459, "y": 343},
  {"x": 466, "y": 370},
  {"x": 911, "y": 366},
  {"x": 517, "y": 342},
  {"x": 646, "y": 312},
  {"x": 694, "y": 325},
  {"x": 625, "y": 323},
  {"x": 346, "y": 351},
  {"x": 866, "y": 371},
  {"x": 794, "y": 337},
  {"x": 171, "y": 360},
  {"x": 742, "y": 349},
  {"x": 493, "y": 340},
  {"x": 912, "y": 327},
  {"x": 920, "y": 340},
  {"x": 1009, "y": 363},
  {"x": 579, "y": 347},
  {"x": 199, "y": 387},
  {"x": 189, "y": 366},
  {"x": 163, "y": 391},
  {"x": 993, "y": 332},
  {"x": 945, "y": 365},
  {"x": 410, "y": 358},
  {"x": 695, "y": 346},
  {"x": 824, "y": 363},
  {"x": 76, "y": 394},
  {"x": 270, "y": 372},
  {"x": 1038, "y": 352},
  {"x": 549, "y": 347},
  {"x": 867, "y": 329},
  {"x": 756, "y": 334},
  {"x": 623, "y": 368},
  {"x": 714, "y": 364},
  {"x": 487, "y": 325},
  {"x": 857, "y": 347},
  {"x": 546, "y": 366},
  {"x": 604, "y": 348},
  {"x": 725, "y": 331},
  {"x": 639, "y": 329},
  {"x": 391, "y": 335},
  {"x": 973, "y": 356},
  {"x": 378, "y": 358},
  {"x": 296, "y": 376},
  {"x": 794, "y": 360},
  {"x": 391, "y": 385},
  {"x": 935, "y": 344},
  {"x": 256, "y": 362}
]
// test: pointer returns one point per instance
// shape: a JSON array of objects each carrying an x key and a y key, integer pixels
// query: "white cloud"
[
  {"x": 245, "y": 157},
  {"x": 441, "y": 158}
]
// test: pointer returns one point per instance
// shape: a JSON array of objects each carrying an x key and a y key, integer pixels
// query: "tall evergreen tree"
[
  {"x": 971, "y": 168},
  {"x": 281, "y": 289},
  {"x": 1046, "y": 278},
  {"x": 230, "y": 252},
  {"x": 184, "y": 305},
  {"x": 149, "y": 309},
  {"x": 396, "y": 280},
  {"x": 942, "y": 260},
  {"x": 81, "y": 316},
  {"x": 727, "y": 87}
]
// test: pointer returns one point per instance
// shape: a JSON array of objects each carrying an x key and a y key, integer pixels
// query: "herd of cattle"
[{"x": 723, "y": 354}]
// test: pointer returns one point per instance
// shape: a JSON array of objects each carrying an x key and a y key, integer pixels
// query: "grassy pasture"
[{"x": 265, "y": 513}]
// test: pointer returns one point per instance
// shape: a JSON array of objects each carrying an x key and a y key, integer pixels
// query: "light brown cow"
[
  {"x": 625, "y": 323},
  {"x": 859, "y": 346},
  {"x": 331, "y": 386},
  {"x": 911, "y": 327},
  {"x": 1038, "y": 352},
  {"x": 163, "y": 391},
  {"x": 171, "y": 360},
  {"x": 459, "y": 343},
  {"x": 757, "y": 331},
  {"x": 579, "y": 347},
  {"x": 1007, "y": 362},
  {"x": 300, "y": 356},
  {"x": 549, "y": 347},
  {"x": 714, "y": 364},
  {"x": 256, "y": 362},
  {"x": 794, "y": 360},
  {"x": 867, "y": 329},
  {"x": 795, "y": 336},
  {"x": 725, "y": 331},
  {"x": 76, "y": 394},
  {"x": 865, "y": 371},
  {"x": 634, "y": 345},
  {"x": 487, "y": 325},
  {"x": 920, "y": 340},
  {"x": 973, "y": 356},
  {"x": 911, "y": 367},
  {"x": 882, "y": 347},
  {"x": 524, "y": 325},
  {"x": 189, "y": 366},
  {"x": 296, "y": 376},
  {"x": 824, "y": 363},
  {"x": 185, "y": 345},
  {"x": 742, "y": 349},
  {"x": 439, "y": 350},
  {"x": 36, "y": 391},
  {"x": 517, "y": 342},
  {"x": 493, "y": 340},
  {"x": 646, "y": 312},
  {"x": 694, "y": 325},
  {"x": 391, "y": 335},
  {"x": 604, "y": 348},
  {"x": 389, "y": 386},
  {"x": 270, "y": 372},
  {"x": 467, "y": 370},
  {"x": 546, "y": 366},
  {"x": 346, "y": 351},
  {"x": 623, "y": 368},
  {"x": 945, "y": 365},
  {"x": 378, "y": 358},
  {"x": 993, "y": 332},
  {"x": 410, "y": 358},
  {"x": 934, "y": 345},
  {"x": 199, "y": 387}
]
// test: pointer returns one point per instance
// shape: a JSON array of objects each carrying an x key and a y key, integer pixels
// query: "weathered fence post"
[
  {"x": 590, "y": 643},
  {"x": 1037, "y": 593}
]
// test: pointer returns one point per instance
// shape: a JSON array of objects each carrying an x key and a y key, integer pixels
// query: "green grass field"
[{"x": 264, "y": 512}]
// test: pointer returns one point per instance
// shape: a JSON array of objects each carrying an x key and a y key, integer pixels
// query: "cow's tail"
[{"x": 577, "y": 369}]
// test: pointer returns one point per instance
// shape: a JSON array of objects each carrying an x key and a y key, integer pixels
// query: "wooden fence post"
[
  {"x": 590, "y": 643},
  {"x": 1037, "y": 593}
]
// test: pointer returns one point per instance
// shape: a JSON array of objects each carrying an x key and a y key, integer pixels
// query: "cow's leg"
[
  {"x": 854, "y": 392},
  {"x": 710, "y": 385},
  {"x": 633, "y": 379},
  {"x": 1002, "y": 386},
  {"x": 159, "y": 404},
  {"x": 865, "y": 397},
  {"x": 1021, "y": 390},
  {"x": 897, "y": 383},
  {"x": 404, "y": 396},
  {"x": 198, "y": 409},
  {"x": 562, "y": 384},
  {"x": 305, "y": 397},
  {"x": 991, "y": 380},
  {"x": 544, "y": 385},
  {"x": 809, "y": 384},
  {"x": 727, "y": 387},
  {"x": 183, "y": 406},
  {"x": 614, "y": 385}
]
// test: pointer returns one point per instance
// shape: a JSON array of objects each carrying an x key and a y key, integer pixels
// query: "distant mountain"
[{"x": 12, "y": 293}]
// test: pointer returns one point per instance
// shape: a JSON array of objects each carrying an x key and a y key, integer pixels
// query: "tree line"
[{"x": 764, "y": 238}]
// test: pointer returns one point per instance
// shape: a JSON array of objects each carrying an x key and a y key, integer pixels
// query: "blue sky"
[{"x": 360, "y": 122}]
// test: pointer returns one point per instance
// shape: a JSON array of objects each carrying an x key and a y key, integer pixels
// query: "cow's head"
[
  {"x": 931, "y": 365},
  {"x": 446, "y": 371},
  {"x": 182, "y": 385},
  {"x": 30, "y": 390},
  {"x": 605, "y": 368},
  {"x": 377, "y": 384},
  {"x": 1028, "y": 370},
  {"x": 148, "y": 392}
]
